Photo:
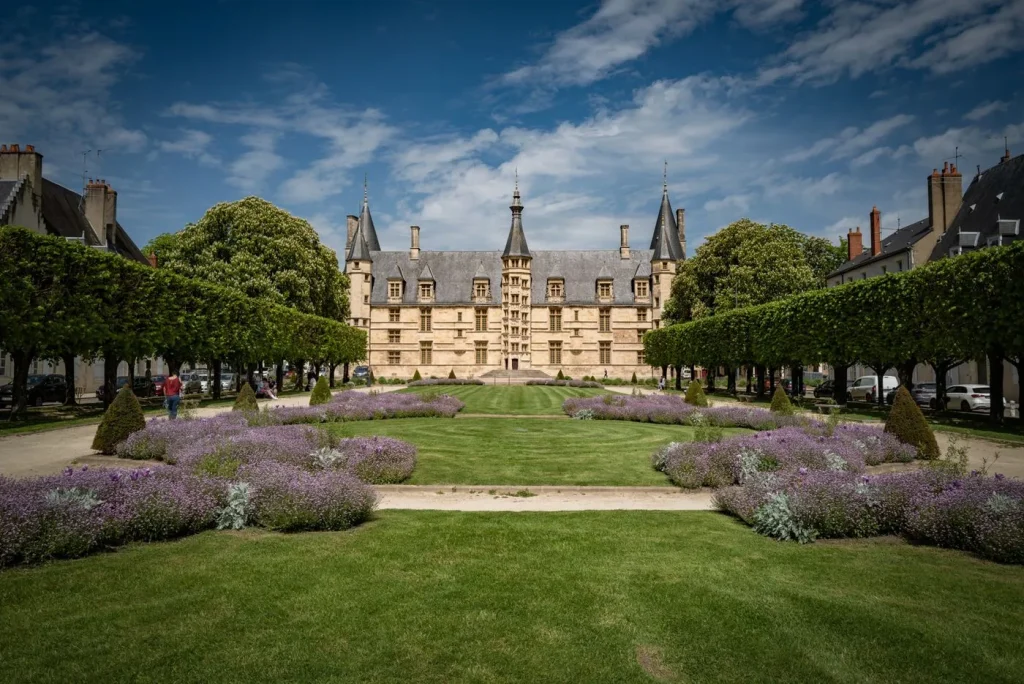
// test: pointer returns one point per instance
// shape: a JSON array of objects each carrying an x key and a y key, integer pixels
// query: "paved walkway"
[{"x": 542, "y": 498}]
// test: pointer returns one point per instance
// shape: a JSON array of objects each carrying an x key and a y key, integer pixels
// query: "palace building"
[{"x": 583, "y": 312}]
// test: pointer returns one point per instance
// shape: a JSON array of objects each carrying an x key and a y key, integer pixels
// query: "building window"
[
  {"x": 641, "y": 315},
  {"x": 515, "y": 330},
  {"x": 394, "y": 336},
  {"x": 459, "y": 317},
  {"x": 555, "y": 320},
  {"x": 899, "y": 265},
  {"x": 481, "y": 353},
  {"x": 576, "y": 315},
  {"x": 640, "y": 336},
  {"x": 515, "y": 280},
  {"x": 604, "y": 290},
  {"x": 515, "y": 315},
  {"x": 3, "y": 364},
  {"x": 481, "y": 320},
  {"x": 555, "y": 289},
  {"x": 515, "y": 299},
  {"x": 605, "y": 320},
  {"x": 606, "y": 353},
  {"x": 458, "y": 333},
  {"x": 555, "y": 353},
  {"x": 426, "y": 291},
  {"x": 395, "y": 289},
  {"x": 355, "y": 266},
  {"x": 480, "y": 289},
  {"x": 394, "y": 358},
  {"x": 366, "y": 299},
  {"x": 575, "y": 332},
  {"x": 515, "y": 346},
  {"x": 641, "y": 288},
  {"x": 394, "y": 315},
  {"x": 425, "y": 320},
  {"x": 426, "y": 353},
  {"x": 641, "y": 358},
  {"x": 885, "y": 269},
  {"x": 366, "y": 278}
]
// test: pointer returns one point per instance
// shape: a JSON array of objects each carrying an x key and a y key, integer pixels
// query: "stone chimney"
[
  {"x": 414, "y": 245},
  {"x": 624, "y": 241},
  {"x": 17, "y": 163},
  {"x": 952, "y": 194},
  {"x": 101, "y": 210},
  {"x": 876, "y": 231},
  {"x": 945, "y": 193},
  {"x": 681, "y": 225},
  {"x": 353, "y": 223},
  {"x": 854, "y": 244}
]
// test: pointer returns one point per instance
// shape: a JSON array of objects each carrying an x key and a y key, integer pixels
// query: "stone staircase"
[{"x": 512, "y": 377}]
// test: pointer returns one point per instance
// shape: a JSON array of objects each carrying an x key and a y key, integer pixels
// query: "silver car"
[{"x": 968, "y": 397}]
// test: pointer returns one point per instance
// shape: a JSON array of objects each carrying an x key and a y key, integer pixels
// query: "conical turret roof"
[
  {"x": 366, "y": 223},
  {"x": 516, "y": 243},
  {"x": 665, "y": 241}
]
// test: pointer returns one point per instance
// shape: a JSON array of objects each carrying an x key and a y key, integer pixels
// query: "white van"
[{"x": 865, "y": 388}]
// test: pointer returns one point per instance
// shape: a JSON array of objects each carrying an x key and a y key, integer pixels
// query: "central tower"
[{"x": 515, "y": 291}]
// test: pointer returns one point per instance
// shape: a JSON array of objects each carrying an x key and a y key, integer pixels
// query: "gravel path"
[{"x": 488, "y": 498}]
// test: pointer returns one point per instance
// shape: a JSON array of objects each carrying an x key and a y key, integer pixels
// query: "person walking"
[
  {"x": 172, "y": 395},
  {"x": 661, "y": 383}
]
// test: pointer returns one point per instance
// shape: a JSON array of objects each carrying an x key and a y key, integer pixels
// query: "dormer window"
[
  {"x": 426, "y": 291},
  {"x": 640, "y": 289},
  {"x": 394, "y": 290},
  {"x": 604, "y": 289},
  {"x": 481, "y": 290},
  {"x": 556, "y": 289}
]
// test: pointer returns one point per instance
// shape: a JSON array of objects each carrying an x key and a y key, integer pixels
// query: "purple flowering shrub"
[
  {"x": 287, "y": 498},
  {"x": 977, "y": 513},
  {"x": 670, "y": 409},
  {"x": 734, "y": 460},
  {"x": 377, "y": 460},
  {"x": 348, "y": 406},
  {"x": 80, "y": 511}
]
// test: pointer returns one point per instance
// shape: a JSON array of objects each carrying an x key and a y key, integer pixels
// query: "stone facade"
[{"x": 580, "y": 312}]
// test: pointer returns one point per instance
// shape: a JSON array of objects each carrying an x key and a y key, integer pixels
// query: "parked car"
[
  {"x": 865, "y": 388},
  {"x": 192, "y": 384},
  {"x": 923, "y": 394},
  {"x": 826, "y": 389},
  {"x": 41, "y": 389},
  {"x": 968, "y": 397},
  {"x": 361, "y": 373},
  {"x": 227, "y": 382},
  {"x": 142, "y": 387},
  {"x": 158, "y": 385}
]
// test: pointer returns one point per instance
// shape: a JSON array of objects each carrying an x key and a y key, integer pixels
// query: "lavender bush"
[
  {"x": 670, "y": 409},
  {"x": 565, "y": 383},
  {"x": 349, "y": 406},
  {"x": 287, "y": 498},
  {"x": 377, "y": 460},
  {"x": 446, "y": 381}
]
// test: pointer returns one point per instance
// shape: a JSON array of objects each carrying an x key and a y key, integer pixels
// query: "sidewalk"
[{"x": 45, "y": 453}]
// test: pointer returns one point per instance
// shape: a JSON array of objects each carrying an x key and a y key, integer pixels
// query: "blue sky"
[{"x": 779, "y": 110}]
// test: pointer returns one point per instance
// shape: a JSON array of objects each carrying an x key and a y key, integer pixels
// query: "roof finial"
[
  {"x": 1006, "y": 149},
  {"x": 517, "y": 179},
  {"x": 365, "y": 183},
  {"x": 664, "y": 178}
]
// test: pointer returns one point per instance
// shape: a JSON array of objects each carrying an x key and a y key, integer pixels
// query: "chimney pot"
[
  {"x": 854, "y": 244},
  {"x": 15, "y": 148},
  {"x": 30, "y": 148},
  {"x": 414, "y": 248},
  {"x": 624, "y": 241},
  {"x": 3, "y": 148}
]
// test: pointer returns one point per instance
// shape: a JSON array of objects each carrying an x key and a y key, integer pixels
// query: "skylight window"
[{"x": 999, "y": 197}]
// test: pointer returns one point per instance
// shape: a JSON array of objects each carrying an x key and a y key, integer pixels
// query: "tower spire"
[
  {"x": 664, "y": 179},
  {"x": 665, "y": 242},
  {"x": 366, "y": 229},
  {"x": 516, "y": 243}
]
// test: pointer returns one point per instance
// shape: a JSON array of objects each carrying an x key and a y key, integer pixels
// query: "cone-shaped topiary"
[
  {"x": 122, "y": 419},
  {"x": 246, "y": 399},
  {"x": 633, "y": 380},
  {"x": 561, "y": 375},
  {"x": 695, "y": 394},
  {"x": 781, "y": 403},
  {"x": 907, "y": 424},
  {"x": 451, "y": 374},
  {"x": 321, "y": 393},
  {"x": 416, "y": 376}
]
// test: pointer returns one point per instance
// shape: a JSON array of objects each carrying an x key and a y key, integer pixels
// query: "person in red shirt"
[{"x": 172, "y": 395}]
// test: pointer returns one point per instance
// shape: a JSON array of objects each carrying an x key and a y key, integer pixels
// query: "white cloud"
[
  {"x": 851, "y": 140},
  {"x": 940, "y": 35},
  {"x": 192, "y": 144},
  {"x": 737, "y": 203},
  {"x": 984, "y": 109},
  {"x": 250, "y": 171}
]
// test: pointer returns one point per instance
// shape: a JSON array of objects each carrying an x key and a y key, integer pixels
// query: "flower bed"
[
  {"x": 735, "y": 460},
  {"x": 670, "y": 409},
  {"x": 976, "y": 513},
  {"x": 349, "y": 406}
]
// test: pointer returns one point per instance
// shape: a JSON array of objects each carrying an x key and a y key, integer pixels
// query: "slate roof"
[
  {"x": 516, "y": 243},
  {"x": 63, "y": 217},
  {"x": 981, "y": 209},
  {"x": 665, "y": 242},
  {"x": 366, "y": 225},
  {"x": 359, "y": 249},
  {"x": 899, "y": 241},
  {"x": 454, "y": 273}
]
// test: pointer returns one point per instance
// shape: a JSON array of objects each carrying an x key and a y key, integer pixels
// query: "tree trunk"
[
  {"x": 215, "y": 370},
  {"x": 250, "y": 372},
  {"x": 731, "y": 387},
  {"x": 879, "y": 369},
  {"x": 711, "y": 380},
  {"x": 760, "y": 380},
  {"x": 995, "y": 384},
  {"x": 70, "y": 398},
  {"x": 330, "y": 379},
  {"x": 344, "y": 373},
  {"x": 905, "y": 371},
  {"x": 131, "y": 373},
  {"x": 679, "y": 377},
  {"x": 109, "y": 379},
  {"x": 19, "y": 395},
  {"x": 279, "y": 378},
  {"x": 299, "y": 366},
  {"x": 750, "y": 377},
  {"x": 771, "y": 381},
  {"x": 841, "y": 374}
]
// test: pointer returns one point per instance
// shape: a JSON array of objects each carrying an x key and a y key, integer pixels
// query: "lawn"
[
  {"x": 627, "y": 596},
  {"x": 520, "y": 400},
  {"x": 528, "y": 451}
]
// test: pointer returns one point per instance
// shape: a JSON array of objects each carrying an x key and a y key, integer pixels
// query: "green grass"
[
  {"x": 530, "y": 400},
  {"x": 528, "y": 451},
  {"x": 419, "y": 596}
]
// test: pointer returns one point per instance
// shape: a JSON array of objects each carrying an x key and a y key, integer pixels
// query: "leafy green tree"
[
  {"x": 260, "y": 250},
  {"x": 120, "y": 420},
  {"x": 822, "y": 256},
  {"x": 321, "y": 393}
]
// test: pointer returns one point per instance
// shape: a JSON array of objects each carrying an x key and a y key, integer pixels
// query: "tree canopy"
[
  {"x": 262, "y": 251},
  {"x": 749, "y": 263}
]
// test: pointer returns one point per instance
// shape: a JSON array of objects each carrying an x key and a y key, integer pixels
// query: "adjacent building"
[
  {"x": 30, "y": 200},
  {"x": 582, "y": 312}
]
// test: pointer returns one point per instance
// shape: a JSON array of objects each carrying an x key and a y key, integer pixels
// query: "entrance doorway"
[{"x": 515, "y": 364}]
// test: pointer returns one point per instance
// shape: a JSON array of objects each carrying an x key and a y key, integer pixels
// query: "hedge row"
[
  {"x": 942, "y": 313},
  {"x": 60, "y": 299}
]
